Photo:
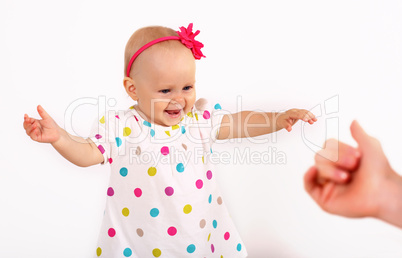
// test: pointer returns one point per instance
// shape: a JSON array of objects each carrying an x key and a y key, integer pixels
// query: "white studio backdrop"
[{"x": 341, "y": 59}]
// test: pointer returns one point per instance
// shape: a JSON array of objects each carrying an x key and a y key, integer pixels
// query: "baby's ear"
[{"x": 130, "y": 88}]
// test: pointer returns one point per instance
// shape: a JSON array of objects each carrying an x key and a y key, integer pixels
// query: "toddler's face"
[{"x": 165, "y": 85}]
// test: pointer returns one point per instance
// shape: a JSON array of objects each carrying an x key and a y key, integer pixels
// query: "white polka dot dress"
[{"x": 162, "y": 198}]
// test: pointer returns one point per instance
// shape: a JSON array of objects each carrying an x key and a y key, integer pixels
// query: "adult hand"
[{"x": 356, "y": 182}]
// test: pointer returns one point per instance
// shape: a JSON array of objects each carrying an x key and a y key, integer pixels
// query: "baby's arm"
[
  {"x": 81, "y": 152},
  {"x": 251, "y": 124}
]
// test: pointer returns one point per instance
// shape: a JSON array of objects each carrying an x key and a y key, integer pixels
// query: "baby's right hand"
[{"x": 45, "y": 130}]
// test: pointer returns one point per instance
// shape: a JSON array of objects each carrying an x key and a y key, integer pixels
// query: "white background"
[{"x": 273, "y": 55}]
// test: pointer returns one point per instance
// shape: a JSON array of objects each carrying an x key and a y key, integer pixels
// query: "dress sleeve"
[
  {"x": 103, "y": 135},
  {"x": 211, "y": 114}
]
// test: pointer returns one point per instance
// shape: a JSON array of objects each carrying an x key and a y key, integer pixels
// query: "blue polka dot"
[
  {"x": 183, "y": 130},
  {"x": 154, "y": 212},
  {"x": 123, "y": 171},
  {"x": 127, "y": 252},
  {"x": 180, "y": 167},
  {"x": 214, "y": 223},
  {"x": 146, "y": 123},
  {"x": 210, "y": 149},
  {"x": 190, "y": 249},
  {"x": 152, "y": 132},
  {"x": 217, "y": 106},
  {"x": 210, "y": 198},
  {"x": 238, "y": 247},
  {"x": 118, "y": 141}
]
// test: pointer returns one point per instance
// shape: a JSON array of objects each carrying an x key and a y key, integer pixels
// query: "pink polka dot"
[
  {"x": 169, "y": 191},
  {"x": 212, "y": 248},
  {"x": 165, "y": 150},
  {"x": 135, "y": 118},
  {"x": 111, "y": 232},
  {"x": 226, "y": 236},
  {"x": 209, "y": 174},
  {"x": 102, "y": 150},
  {"x": 117, "y": 117},
  {"x": 98, "y": 136},
  {"x": 172, "y": 231},
  {"x": 137, "y": 192},
  {"x": 206, "y": 114},
  {"x": 110, "y": 191},
  {"x": 110, "y": 160},
  {"x": 199, "y": 184}
]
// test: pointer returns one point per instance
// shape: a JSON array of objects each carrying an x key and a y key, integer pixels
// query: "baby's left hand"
[{"x": 289, "y": 118}]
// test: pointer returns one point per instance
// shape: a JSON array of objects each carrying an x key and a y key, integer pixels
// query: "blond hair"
[{"x": 143, "y": 36}]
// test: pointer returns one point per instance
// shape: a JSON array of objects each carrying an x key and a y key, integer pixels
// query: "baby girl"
[{"x": 171, "y": 207}]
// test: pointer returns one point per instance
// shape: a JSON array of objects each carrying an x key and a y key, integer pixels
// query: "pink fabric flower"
[{"x": 187, "y": 38}]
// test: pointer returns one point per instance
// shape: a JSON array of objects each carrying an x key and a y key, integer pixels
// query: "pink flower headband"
[{"x": 186, "y": 36}]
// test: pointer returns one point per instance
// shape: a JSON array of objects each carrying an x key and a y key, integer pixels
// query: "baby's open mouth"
[{"x": 173, "y": 113}]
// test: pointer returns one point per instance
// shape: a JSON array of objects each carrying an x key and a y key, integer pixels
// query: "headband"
[{"x": 186, "y": 36}]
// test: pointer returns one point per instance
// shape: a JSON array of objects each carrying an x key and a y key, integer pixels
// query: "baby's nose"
[{"x": 178, "y": 100}]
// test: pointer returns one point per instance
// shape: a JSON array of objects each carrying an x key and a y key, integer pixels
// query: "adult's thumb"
[
  {"x": 43, "y": 114},
  {"x": 360, "y": 136}
]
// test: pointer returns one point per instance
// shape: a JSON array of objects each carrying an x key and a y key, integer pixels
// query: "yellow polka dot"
[
  {"x": 221, "y": 256},
  {"x": 125, "y": 212},
  {"x": 102, "y": 120},
  {"x": 167, "y": 132},
  {"x": 187, "y": 209},
  {"x": 189, "y": 114},
  {"x": 209, "y": 236},
  {"x": 98, "y": 251},
  {"x": 196, "y": 116},
  {"x": 174, "y": 127},
  {"x": 156, "y": 252},
  {"x": 203, "y": 159},
  {"x": 132, "y": 107},
  {"x": 126, "y": 131},
  {"x": 152, "y": 171},
  {"x": 182, "y": 118}
]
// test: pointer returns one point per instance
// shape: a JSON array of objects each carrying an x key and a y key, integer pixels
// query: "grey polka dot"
[
  {"x": 138, "y": 151},
  {"x": 202, "y": 223},
  {"x": 140, "y": 232}
]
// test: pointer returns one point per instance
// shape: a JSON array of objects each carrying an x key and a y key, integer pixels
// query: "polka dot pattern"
[
  {"x": 152, "y": 171},
  {"x": 187, "y": 209},
  {"x": 156, "y": 252},
  {"x": 123, "y": 171},
  {"x": 127, "y": 252},
  {"x": 111, "y": 232},
  {"x": 172, "y": 231},
  {"x": 154, "y": 212},
  {"x": 191, "y": 249},
  {"x": 110, "y": 191},
  {"x": 169, "y": 191},
  {"x": 147, "y": 190},
  {"x": 125, "y": 212},
  {"x": 180, "y": 167}
]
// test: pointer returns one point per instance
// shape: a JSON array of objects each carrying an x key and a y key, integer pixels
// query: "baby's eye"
[
  {"x": 165, "y": 91},
  {"x": 187, "y": 87}
]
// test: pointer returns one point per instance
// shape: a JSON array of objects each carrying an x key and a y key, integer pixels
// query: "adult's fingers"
[
  {"x": 338, "y": 154},
  {"x": 310, "y": 183}
]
